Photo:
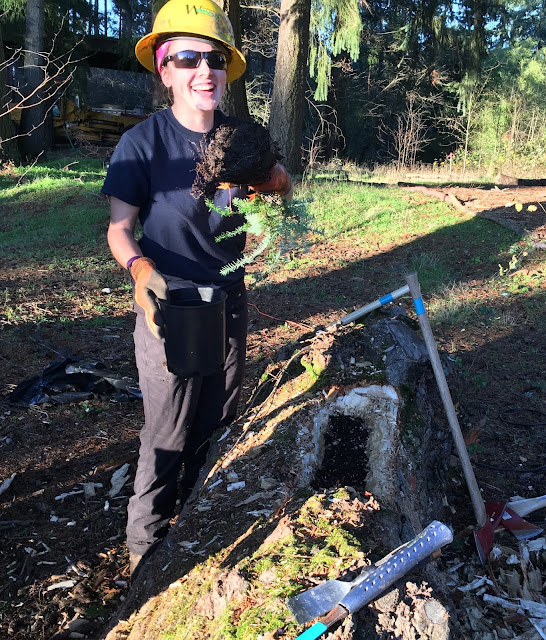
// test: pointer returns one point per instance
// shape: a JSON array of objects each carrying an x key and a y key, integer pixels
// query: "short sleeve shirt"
[{"x": 153, "y": 168}]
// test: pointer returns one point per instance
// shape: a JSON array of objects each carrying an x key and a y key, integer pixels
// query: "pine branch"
[
  {"x": 231, "y": 234},
  {"x": 246, "y": 259},
  {"x": 284, "y": 227}
]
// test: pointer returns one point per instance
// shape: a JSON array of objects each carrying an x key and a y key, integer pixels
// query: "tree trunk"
[
  {"x": 288, "y": 101},
  {"x": 8, "y": 146},
  {"x": 34, "y": 130},
  {"x": 126, "y": 18},
  {"x": 234, "y": 102},
  {"x": 96, "y": 22},
  {"x": 467, "y": 132}
]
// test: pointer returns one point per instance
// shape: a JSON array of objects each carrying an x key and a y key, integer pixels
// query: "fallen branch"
[
  {"x": 440, "y": 195},
  {"x": 451, "y": 199},
  {"x": 508, "y": 224}
]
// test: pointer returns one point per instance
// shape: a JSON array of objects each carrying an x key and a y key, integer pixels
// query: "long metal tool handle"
[
  {"x": 397, "y": 564},
  {"x": 385, "y": 573},
  {"x": 351, "y": 317},
  {"x": 475, "y": 494}
]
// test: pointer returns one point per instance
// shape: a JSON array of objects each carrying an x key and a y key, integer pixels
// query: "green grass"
[
  {"x": 53, "y": 226},
  {"x": 343, "y": 209},
  {"x": 78, "y": 167},
  {"x": 54, "y": 219},
  {"x": 373, "y": 219},
  {"x": 54, "y": 230},
  {"x": 51, "y": 210}
]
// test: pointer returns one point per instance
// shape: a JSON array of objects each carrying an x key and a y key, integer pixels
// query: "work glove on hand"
[
  {"x": 280, "y": 182},
  {"x": 149, "y": 285}
]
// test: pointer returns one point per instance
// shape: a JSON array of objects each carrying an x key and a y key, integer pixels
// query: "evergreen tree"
[
  {"x": 288, "y": 100},
  {"x": 335, "y": 28}
]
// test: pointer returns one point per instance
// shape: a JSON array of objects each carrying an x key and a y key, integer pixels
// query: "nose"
[{"x": 205, "y": 68}]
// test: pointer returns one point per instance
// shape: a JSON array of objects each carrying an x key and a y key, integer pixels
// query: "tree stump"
[{"x": 341, "y": 461}]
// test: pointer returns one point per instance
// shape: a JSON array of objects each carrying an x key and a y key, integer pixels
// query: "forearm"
[
  {"x": 121, "y": 232},
  {"x": 122, "y": 244}
]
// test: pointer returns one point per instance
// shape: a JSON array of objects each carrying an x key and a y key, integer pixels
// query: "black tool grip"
[{"x": 394, "y": 566}]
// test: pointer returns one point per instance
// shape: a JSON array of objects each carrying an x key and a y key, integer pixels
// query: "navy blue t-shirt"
[{"x": 153, "y": 167}]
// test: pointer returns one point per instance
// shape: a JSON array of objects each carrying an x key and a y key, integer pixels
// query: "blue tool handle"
[
  {"x": 394, "y": 566},
  {"x": 313, "y": 632},
  {"x": 390, "y": 297}
]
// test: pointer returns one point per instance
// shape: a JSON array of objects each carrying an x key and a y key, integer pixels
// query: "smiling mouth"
[{"x": 203, "y": 88}]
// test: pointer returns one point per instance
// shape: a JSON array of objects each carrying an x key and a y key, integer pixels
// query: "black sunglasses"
[{"x": 191, "y": 59}]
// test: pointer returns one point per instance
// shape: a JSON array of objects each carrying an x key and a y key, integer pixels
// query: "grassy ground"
[{"x": 61, "y": 292}]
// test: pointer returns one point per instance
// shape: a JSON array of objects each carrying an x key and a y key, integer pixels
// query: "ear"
[{"x": 166, "y": 77}]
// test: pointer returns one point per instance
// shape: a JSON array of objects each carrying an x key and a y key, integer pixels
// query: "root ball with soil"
[{"x": 238, "y": 153}]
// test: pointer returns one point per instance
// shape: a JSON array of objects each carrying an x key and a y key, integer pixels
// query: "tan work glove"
[
  {"x": 280, "y": 182},
  {"x": 149, "y": 285}
]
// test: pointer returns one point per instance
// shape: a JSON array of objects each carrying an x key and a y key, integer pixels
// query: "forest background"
[{"x": 458, "y": 84}]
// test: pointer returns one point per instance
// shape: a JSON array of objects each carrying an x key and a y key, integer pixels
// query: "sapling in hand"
[{"x": 281, "y": 227}]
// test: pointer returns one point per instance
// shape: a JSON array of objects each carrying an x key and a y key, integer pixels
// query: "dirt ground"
[{"x": 63, "y": 558}]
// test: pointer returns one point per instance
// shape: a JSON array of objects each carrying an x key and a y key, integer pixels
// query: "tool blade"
[
  {"x": 522, "y": 529},
  {"x": 317, "y": 601}
]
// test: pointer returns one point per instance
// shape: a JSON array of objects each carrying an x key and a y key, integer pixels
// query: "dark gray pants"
[{"x": 180, "y": 417}]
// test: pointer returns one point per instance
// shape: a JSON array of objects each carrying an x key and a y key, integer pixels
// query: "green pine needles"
[
  {"x": 281, "y": 228},
  {"x": 336, "y": 27}
]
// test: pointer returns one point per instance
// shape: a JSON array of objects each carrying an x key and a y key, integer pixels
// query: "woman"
[{"x": 150, "y": 179}]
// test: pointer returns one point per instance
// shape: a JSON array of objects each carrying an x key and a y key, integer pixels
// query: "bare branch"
[
  {"x": 262, "y": 7},
  {"x": 29, "y": 168},
  {"x": 326, "y": 129},
  {"x": 58, "y": 73},
  {"x": 409, "y": 133}
]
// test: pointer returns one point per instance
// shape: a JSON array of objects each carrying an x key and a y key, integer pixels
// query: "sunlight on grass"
[
  {"x": 478, "y": 303},
  {"x": 54, "y": 223},
  {"x": 453, "y": 303},
  {"x": 57, "y": 168},
  {"x": 319, "y": 542},
  {"x": 345, "y": 209},
  {"x": 58, "y": 187},
  {"x": 371, "y": 219},
  {"x": 52, "y": 214}
]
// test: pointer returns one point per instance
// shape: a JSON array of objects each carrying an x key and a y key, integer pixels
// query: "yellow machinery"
[{"x": 102, "y": 126}]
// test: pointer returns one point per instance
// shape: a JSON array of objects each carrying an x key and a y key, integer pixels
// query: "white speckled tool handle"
[{"x": 396, "y": 565}]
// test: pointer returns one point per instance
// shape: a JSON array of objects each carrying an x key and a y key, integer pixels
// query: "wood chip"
[{"x": 66, "y": 584}]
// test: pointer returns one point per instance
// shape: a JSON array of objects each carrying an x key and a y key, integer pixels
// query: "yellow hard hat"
[{"x": 203, "y": 18}]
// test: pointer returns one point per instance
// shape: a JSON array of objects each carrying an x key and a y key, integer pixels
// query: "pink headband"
[{"x": 160, "y": 53}]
